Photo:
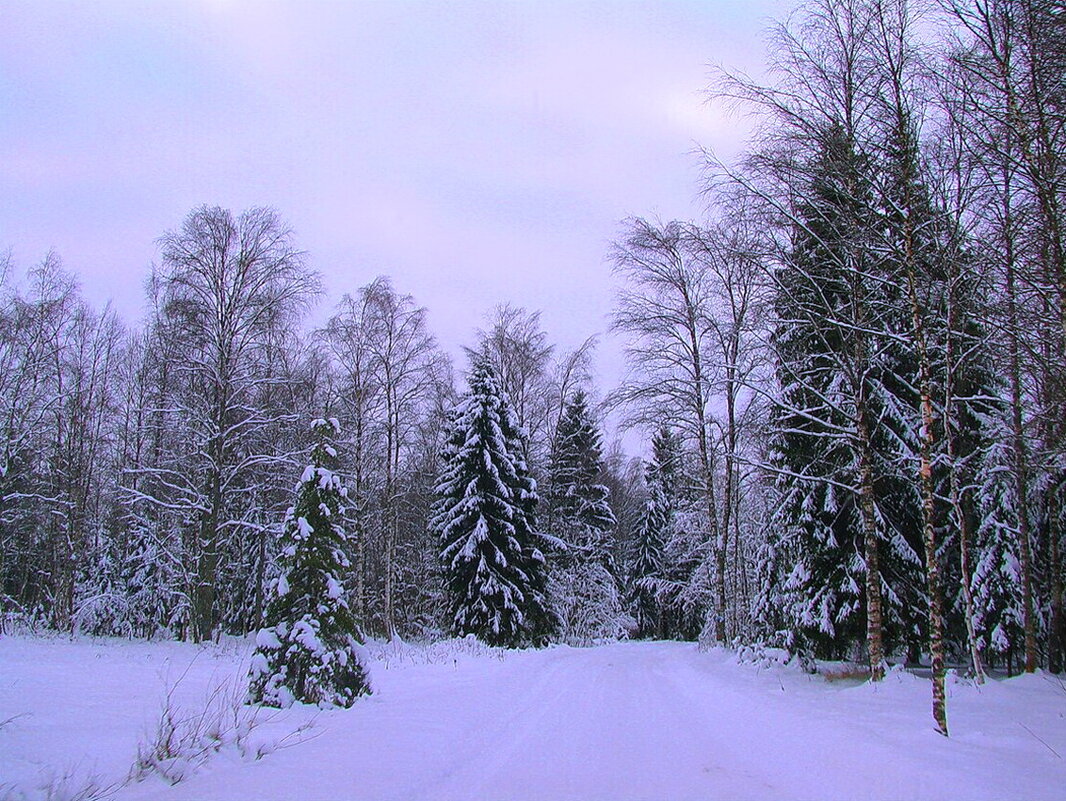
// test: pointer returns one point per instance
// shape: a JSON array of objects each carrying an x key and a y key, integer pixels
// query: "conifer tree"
[
  {"x": 309, "y": 650},
  {"x": 584, "y": 587},
  {"x": 491, "y": 553},
  {"x": 580, "y": 502},
  {"x": 842, "y": 424},
  {"x": 646, "y": 571},
  {"x": 997, "y": 581},
  {"x": 674, "y": 543},
  {"x": 151, "y": 576}
]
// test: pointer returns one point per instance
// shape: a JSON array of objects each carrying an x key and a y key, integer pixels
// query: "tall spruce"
[
  {"x": 309, "y": 650},
  {"x": 584, "y": 587},
  {"x": 491, "y": 554},
  {"x": 852, "y": 571},
  {"x": 580, "y": 502}
]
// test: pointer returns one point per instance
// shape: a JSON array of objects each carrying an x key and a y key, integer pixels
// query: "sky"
[{"x": 477, "y": 153}]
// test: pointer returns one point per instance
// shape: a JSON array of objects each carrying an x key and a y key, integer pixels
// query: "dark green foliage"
[
  {"x": 647, "y": 566},
  {"x": 832, "y": 306},
  {"x": 584, "y": 587},
  {"x": 309, "y": 650},
  {"x": 579, "y": 501},
  {"x": 491, "y": 554},
  {"x": 652, "y": 597}
]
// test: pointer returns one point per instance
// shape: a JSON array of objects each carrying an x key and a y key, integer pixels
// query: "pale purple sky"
[{"x": 476, "y": 152}]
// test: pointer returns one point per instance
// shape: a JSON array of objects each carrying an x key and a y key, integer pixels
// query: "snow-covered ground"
[{"x": 455, "y": 720}]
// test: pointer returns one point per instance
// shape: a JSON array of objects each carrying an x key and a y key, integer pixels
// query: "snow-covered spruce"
[
  {"x": 491, "y": 553},
  {"x": 668, "y": 583},
  {"x": 648, "y": 567},
  {"x": 309, "y": 651},
  {"x": 583, "y": 586}
]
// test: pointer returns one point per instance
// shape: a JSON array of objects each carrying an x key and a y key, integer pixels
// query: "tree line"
[
  {"x": 870, "y": 330},
  {"x": 146, "y": 471}
]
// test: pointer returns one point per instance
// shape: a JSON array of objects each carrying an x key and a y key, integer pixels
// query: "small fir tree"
[
  {"x": 309, "y": 650},
  {"x": 491, "y": 554},
  {"x": 996, "y": 581},
  {"x": 152, "y": 575}
]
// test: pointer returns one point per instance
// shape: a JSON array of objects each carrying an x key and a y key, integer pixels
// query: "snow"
[
  {"x": 305, "y": 632},
  {"x": 333, "y": 588},
  {"x": 266, "y": 638},
  {"x": 456, "y": 720}
]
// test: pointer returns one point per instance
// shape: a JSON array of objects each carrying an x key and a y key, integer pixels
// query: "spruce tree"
[
  {"x": 152, "y": 580},
  {"x": 996, "y": 581},
  {"x": 491, "y": 554},
  {"x": 309, "y": 650},
  {"x": 668, "y": 592},
  {"x": 584, "y": 585},
  {"x": 843, "y": 426},
  {"x": 648, "y": 566},
  {"x": 580, "y": 502}
]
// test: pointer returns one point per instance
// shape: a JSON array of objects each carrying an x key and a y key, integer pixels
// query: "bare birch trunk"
[{"x": 874, "y": 638}]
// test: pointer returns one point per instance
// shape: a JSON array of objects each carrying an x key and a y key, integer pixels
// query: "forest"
[{"x": 848, "y": 376}]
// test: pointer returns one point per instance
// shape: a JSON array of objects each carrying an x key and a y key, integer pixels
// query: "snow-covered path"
[{"x": 646, "y": 721}]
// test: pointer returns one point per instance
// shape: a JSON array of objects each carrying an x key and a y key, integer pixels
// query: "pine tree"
[
  {"x": 309, "y": 650},
  {"x": 996, "y": 581},
  {"x": 491, "y": 554},
  {"x": 584, "y": 586},
  {"x": 669, "y": 588},
  {"x": 152, "y": 578},
  {"x": 684, "y": 589}
]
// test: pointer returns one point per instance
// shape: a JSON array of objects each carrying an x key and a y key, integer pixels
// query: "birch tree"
[{"x": 224, "y": 288}]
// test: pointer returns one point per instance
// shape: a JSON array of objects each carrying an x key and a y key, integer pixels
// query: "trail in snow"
[{"x": 646, "y": 721}]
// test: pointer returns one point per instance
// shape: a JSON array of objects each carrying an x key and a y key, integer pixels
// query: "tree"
[
  {"x": 309, "y": 651},
  {"x": 518, "y": 349},
  {"x": 585, "y": 582},
  {"x": 648, "y": 567},
  {"x": 648, "y": 564},
  {"x": 915, "y": 255},
  {"x": 57, "y": 397},
  {"x": 491, "y": 555},
  {"x": 580, "y": 504},
  {"x": 996, "y": 579},
  {"x": 404, "y": 358},
  {"x": 357, "y": 399},
  {"x": 389, "y": 375},
  {"x": 729, "y": 251},
  {"x": 843, "y": 367},
  {"x": 1009, "y": 57},
  {"x": 227, "y": 292},
  {"x": 664, "y": 309}
]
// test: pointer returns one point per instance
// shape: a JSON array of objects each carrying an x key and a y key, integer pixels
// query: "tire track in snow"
[{"x": 613, "y": 725}]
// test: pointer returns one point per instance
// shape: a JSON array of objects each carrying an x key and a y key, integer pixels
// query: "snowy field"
[{"x": 456, "y": 720}]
